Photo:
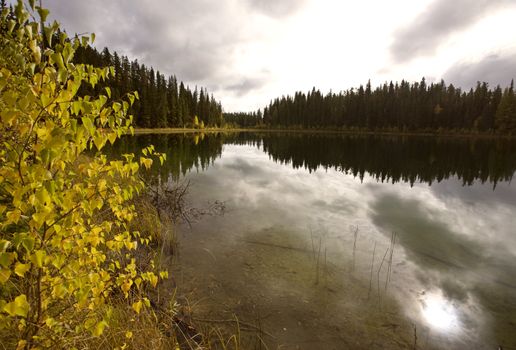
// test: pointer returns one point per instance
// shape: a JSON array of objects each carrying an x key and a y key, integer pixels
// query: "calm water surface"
[{"x": 332, "y": 242}]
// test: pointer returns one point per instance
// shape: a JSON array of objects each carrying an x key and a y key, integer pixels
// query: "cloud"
[
  {"x": 493, "y": 69},
  {"x": 437, "y": 22},
  {"x": 197, "y": 40},
  {"x": 429, "y": 242},
  {"x": 246, "y": 85},
  {"x": 276, "y": 8},
  {"x": 181, "y": 37}
]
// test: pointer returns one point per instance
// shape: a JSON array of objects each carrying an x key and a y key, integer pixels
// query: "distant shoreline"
[{"x": 149, "y": 131}]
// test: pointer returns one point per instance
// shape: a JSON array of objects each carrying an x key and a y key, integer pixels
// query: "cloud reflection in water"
[
  {"x": 439, "y": 313},
  {"x": 455, "y": 241}
]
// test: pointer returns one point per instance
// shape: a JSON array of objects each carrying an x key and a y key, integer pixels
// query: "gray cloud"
[
  {"x": 440, "y": 19},
  {"x": 429, "y": 242},
  {"x": 276, "y": 8},
  {"x": 181, "y": 37},
  {"x": 246, "y": 85},
  {"x": 493, "y": 69},
  {"x": 197, "y": 40}
]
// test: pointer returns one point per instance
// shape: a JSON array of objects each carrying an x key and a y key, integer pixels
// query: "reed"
[
  {"x": 355, "y": 236},
  {"x": 389, "y": 266},
  {"x": 371, "y": 274},
  {"x": 378, "y": 276}
]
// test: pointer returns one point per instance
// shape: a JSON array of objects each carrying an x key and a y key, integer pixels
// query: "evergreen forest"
[
  {"x": 164, "y": 102},
  {"x": 397, "y": 107}
]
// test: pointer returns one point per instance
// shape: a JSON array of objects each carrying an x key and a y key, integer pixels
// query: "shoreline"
[{"x": 150, "y": 131}]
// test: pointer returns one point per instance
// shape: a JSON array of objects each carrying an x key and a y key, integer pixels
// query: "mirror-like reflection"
[
  {"x": 386, "y": 158},
  {"x": 357, "y": 242}
]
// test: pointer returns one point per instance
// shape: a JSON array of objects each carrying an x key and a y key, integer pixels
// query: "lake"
[{"x": 331, "y": 241}]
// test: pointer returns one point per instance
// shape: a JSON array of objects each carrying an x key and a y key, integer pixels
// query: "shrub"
[{"x": 65, "y": 239}]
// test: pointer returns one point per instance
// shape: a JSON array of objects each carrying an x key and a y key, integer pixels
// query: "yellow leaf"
[
  {"x": 38, "y": 257},
  {"x": 13, "y": 216},
  {"x": 43, "y": 196},
  {"x": 126, "y": 286},
  {"x": 39, "y": 218},
  {"x": 18, "y": 307},
  {"x": 4, "y": 275},
  {"x": 59, "y": 291},
  {"x": 4, "y": 244},
  {"x": 76, "y": 107},
  {"x": 21, "y": 344},
  {"x": 137, "y": 306},
  {"x": 128, "y": 334},
  {"x": 50, "y": 322},
  {"x": 20, "y": 269},
  {"x": 99, "y": 141},
  {"x": 153, "y": 279},
  {"x": 102, "y": 185},
  {"x": 112, "y": 137},
  {"x": 147, "y": 162},
  {"x": 99, "y": 328}
]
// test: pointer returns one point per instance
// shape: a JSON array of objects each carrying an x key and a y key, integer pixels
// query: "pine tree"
[{"x": 505, "y": 120}]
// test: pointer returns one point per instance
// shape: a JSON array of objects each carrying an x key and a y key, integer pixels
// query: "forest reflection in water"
[
  {"x": 386, "y": 158},
  {"x": 449, "y": 201}
]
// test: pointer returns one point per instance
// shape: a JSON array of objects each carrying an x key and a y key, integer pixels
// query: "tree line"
[
  {"x": 393, "y": 107},
  {"x": 244, "y": 119},
  {"x": 163, "y": 102}
]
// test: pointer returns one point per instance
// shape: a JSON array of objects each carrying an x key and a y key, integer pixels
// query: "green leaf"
[
  {"x": 88, "y": 123},
  {"x": 58, "y": 59},
  {"x": 6, "y": 259},
  {"x": 43, "y": 14},
  {"x": 49, "y": 32},
  {"x": 8, "y": 116},
  {"x": 84, "y": 41},
  {"x": 28, "y": 243}
]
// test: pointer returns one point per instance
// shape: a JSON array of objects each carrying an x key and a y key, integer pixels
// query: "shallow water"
[{"x": 331, "y": 242}]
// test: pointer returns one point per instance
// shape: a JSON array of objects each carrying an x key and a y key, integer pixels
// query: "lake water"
[{"x": 338, "y": 241}]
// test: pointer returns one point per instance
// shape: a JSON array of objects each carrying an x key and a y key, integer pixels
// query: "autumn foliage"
[{"x": 66, "y": 246}]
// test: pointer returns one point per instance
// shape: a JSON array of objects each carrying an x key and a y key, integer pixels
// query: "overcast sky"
[{"x": 247, "y": 52}]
